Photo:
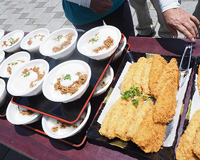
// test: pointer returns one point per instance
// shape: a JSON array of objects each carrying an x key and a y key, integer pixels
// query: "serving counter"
[{"x": 38, "y": 146}]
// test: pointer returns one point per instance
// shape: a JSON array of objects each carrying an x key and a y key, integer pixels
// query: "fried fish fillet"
[
  {"x": 198, "y": 79},
  {"x": 158, "y": 65},
  {"x": 184, "y": 150},
  {"x": 125, "y": 119},
  {"x": 171, "y": 71},
  {"x": 145, "y": 77},
  {"x": 127, "y": 83},
  {"x": 143, "y": 109},
  {"x": 165, "y": 105},
  {"x": 150, "y": 135},
  {"x": 196, "y": 143},
  {"x": 110, "y": 121},
  {"x": 137, "y": 76}
]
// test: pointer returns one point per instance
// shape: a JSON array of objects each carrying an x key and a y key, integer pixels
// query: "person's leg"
[
  {"x": 197, "y": 12},
  {"x": 89, "y": 26},
  {"x": 163, "y": 31},
  {"x": 122, "y": 19},
  {"x": 145, "y": 25}
]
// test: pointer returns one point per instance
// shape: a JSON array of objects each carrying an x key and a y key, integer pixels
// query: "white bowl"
[
  {"x": 48, "y": 123},
  {"x": 54, "y": 39},
  {"x": 10, "y": 37},
  {"x": 14, "y": 62},
  {"x": 35, "y": 38},
  {"x": 64, "y": 70},
  {"x": 105, "y": 82},
  {"x": 3, "y": 92},
  {"x": 14, "y": 116},
  {"x": 19, "y": 83},
  {"x": 120, "y": 49},
  {"x": 95, "y": 38},
  {"x": 2, "y": 56},
  {"x": 2, "y": 32}
]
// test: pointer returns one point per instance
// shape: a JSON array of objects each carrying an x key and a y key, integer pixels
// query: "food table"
[{"x": 37, "y": 146}]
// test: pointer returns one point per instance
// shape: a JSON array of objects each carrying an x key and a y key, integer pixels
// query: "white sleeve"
[
  {"x": 84, "y": 3},
  {"x": 168, "y": 4}
]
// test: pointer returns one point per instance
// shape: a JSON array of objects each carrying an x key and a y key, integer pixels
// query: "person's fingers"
[
  {"x": 191, "y": 27},
  {"x": 186, "y": 32},
  {"x": 196, "y": 21},
  {"x": 173, "y": 31}
]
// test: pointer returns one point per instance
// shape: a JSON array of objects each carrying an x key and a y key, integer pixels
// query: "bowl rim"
[
  {"x": 11, "y": 56},
  {"x": 37, "y": 115},
  {"x": 78, "y": 129},
  {"x": 92, "y": 30},
  {"x": 7, "y": 35},
  {"x": 41, "y": 50},
  {"x": 102, "y": 90},
  {"x": 4, "y": 86},
  {"x": 1, "y": 30},
  {"x": 29, "y": 35},
  {"x": 56, "y": 68},
  {"x": 3, "y": 53},
  {"x": 22, "y": 67}
]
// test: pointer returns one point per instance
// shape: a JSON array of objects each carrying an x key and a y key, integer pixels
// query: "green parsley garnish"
[
  {"x": 11, "y": 40},
  {"x": 95, "y": 39},
  {"x": 67, "y": 77},
  {"x": 58, "y": 38},
  {"x": 27, "y": 74},
  {"x": 134, "y": 91},
  {"x": 14, "y": 63},
  {"x": 35, "y": 36}
]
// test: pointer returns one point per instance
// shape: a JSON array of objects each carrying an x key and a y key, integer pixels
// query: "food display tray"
[
  {"x": 129, "y": 147},
  {"x": 66, "y": 112}
]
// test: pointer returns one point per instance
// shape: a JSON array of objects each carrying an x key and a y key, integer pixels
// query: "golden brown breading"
[
  {"x": 184, "y": 150},
  {"x": 110, "y": 121},
  {"x": 198, "y": 79},
  {"x": 137, "y": 76},
  {"x": 158, "y": 65},
  {"x": 171, "y": 71},
  {"x": 127, "y": 83},
  {"x": 165, "y": 105},
  {"x": 143, "y": 109},
  {"x": 124, "y": 121},
  {"x": 196, "y": 143},
  {"x": 145, "y": 77}
]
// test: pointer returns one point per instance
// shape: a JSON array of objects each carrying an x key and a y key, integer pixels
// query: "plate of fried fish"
[{"x": 143, "y": 109}]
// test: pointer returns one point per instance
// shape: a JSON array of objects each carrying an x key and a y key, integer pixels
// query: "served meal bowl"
[
  {"x": 18, "y": 115},
  {"x": 99, "y": 43},
  {"x": 60, "y": 43},
  {"x": 2, "y": 32},
  {"x": 120, "y": 49},
  {"x": 13, "y": 62},
  {"x": 2, "y": 56},
  {"x": 67, "y": 81},
  {"x": 32, "y": 41},
  {"x": 27, "y": 80},
  {"x": 59, "y": 130},
  {"x": 104, "y": 82},
  {"x": 11, "y": 41},
  {"x": 3, "y": 92}
]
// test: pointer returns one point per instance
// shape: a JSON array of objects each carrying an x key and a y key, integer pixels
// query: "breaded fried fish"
[
  {"x": 171, "y": 71},
  {"x": 184, "y": 150},
  {"x": 196, "y": 143},
  {"x": 158, "y": 65},
  {"x": 198, "y": 79},
  {"x": 165, "y": 105}
]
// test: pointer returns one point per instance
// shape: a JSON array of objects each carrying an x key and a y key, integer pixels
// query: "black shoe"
[{"x": 152, "y": 34}]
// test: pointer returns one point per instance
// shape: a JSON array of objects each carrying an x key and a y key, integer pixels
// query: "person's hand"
[
  {"x": 184, "y": 22},
  {"x": 101, "y": 6}
]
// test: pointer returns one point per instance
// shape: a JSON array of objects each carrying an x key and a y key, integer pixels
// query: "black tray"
[
  {"x": 129, "y": 147},
  {"x": 66, "y": 112}
]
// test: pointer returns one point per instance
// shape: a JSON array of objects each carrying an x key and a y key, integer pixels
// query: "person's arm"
[
  {"x": 177, "y": 19},
  {"x": 98, "y": 6}
]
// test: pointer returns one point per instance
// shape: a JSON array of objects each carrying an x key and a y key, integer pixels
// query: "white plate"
[
  {"x": 2, "y": 56},
  {"x": 15, "y": 117},
  {"x": 15, "y": 60},
  {"x": 48, "y": 123},
  {"x": 3, "y": 92},
  {"x": 2, "y": 32}
]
